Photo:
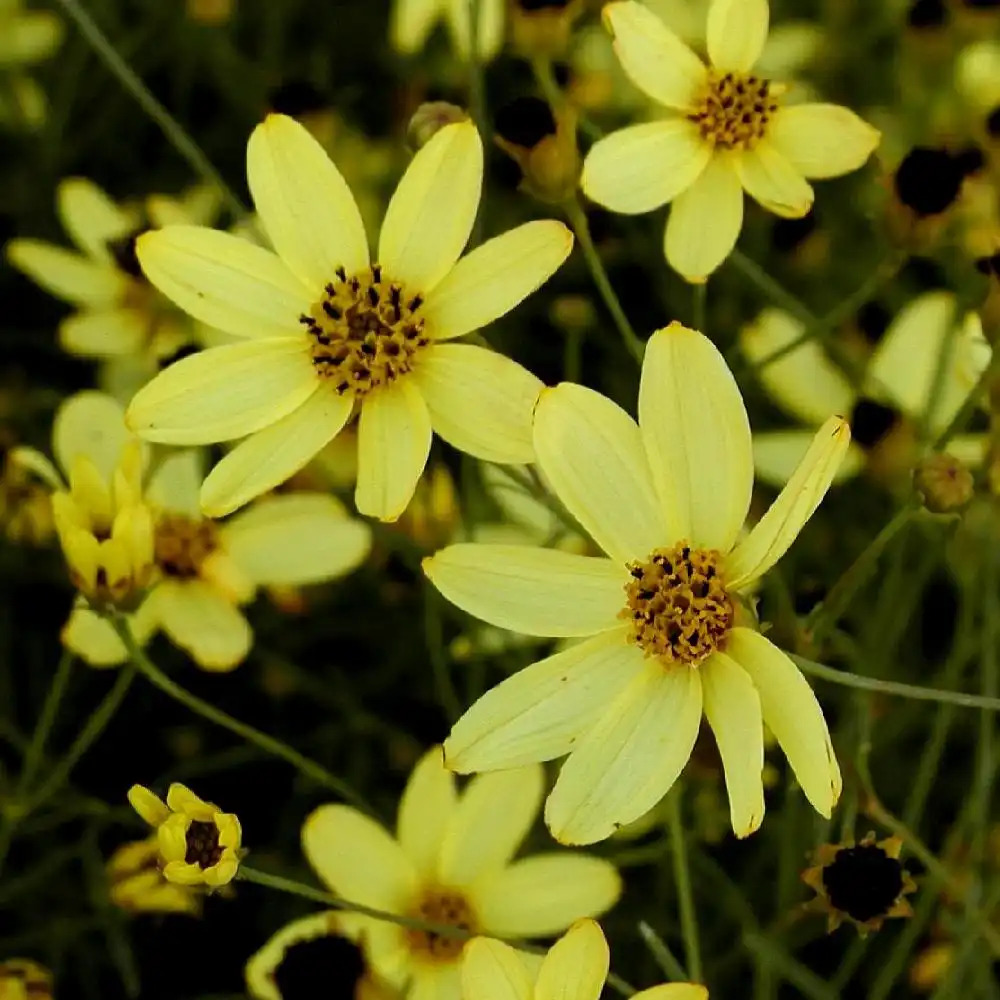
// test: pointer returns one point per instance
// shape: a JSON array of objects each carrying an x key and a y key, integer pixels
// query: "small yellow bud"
[
  {"x": 944, "y": 483},
  {"x": 429, "y": 119}
]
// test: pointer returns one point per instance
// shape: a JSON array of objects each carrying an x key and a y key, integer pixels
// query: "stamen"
[
  {"x": 442, "y": 906},
  {"x": 182, "y": 544},
  {"x": 735, "y": 109}
]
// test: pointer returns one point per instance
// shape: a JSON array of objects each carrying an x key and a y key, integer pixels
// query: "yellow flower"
[
  {"x": 325, "y": 331},
  {"x": 413, "y": 20},
  {"x": 726, "y": 133},
  {"x": 198, "y": 844},
  {"x": 136, "y": 884},
  {"x": 666, "y": 500},
  {"x": 575, "y": 968},
  {"x": 26, "y": 37},
  {"x": 450, "y": 863},
  {"x": 23, "y": 979},
  {"x": 25, "y": 507}
]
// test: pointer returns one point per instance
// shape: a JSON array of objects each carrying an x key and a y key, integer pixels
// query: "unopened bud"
[
  {"x": 945, "y": 484},
  {"x": 429, "y": 119},
  {"x": 542, "y": 142}
]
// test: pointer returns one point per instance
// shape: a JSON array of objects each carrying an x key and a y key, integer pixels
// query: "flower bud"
[
  {"x": 543, "y": 144},
  {"x": 429, "y": 119},
  {"x": 944, "y": 483}
]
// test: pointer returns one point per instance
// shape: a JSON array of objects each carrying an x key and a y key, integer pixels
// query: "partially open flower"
[
  {"x": 22, "y": 979},
  {"x": 136, "y": 884},
  {"x": 198, "y": 844}
]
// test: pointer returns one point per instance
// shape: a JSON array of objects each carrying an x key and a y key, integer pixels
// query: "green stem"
[
  {"x": 970, "y": 404},
  {"x": 578, "y": 220},
  {"x": 661, "y": 952},
  {"x": 682, "y": 878},
  {"x": 46, "y": 720},
  {"x": 772, "y": 289},
  {"x": 982, "y": 789},
  {"x": 805, "y": 980},
  {"x": 267, "y": 743}
]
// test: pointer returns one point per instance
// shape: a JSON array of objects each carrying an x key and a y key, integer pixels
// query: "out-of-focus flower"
[
  {"x": 198, "y": 844},
  {"x": 210, "y": 12},
  {"x": 23, "y": 979},
  {"x": 726, "y": 134},
  {"x": 542, "y": 142},
  {"x": 864, "y": 883},
  {"x": 945, "y": 484},
  {"x": 666, "y": 500},
  {"x": 326, "y": 332},
  {"x": 450, "y": 864},
  {"x": 430, "y": 118},
  {"x": 541, "y": 29},
  {"x": 26, "y": 37},
  {"x": 25, "y": 505},
  {"x": 434, "y": 513},
  {"x": 977, "y": 74},
  {"x": 413, "y": 20},
  {"x": 136, "y": 884}
]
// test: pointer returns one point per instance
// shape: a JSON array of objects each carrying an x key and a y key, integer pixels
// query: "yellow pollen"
[
  {"x": 182, "y": 544},
  {"x": 365, "y": 331},
  {"x": 677, "y": 604},
  {"x": 734, "y": 109},
  {"x": 442, "y": 906}
]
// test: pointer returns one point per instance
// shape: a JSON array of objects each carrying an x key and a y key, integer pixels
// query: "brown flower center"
[
  {"x": 182, "y": 544},
  {"x": 365, "y": 331},
  {"x": 442, "y": 906},
  {"x": 734, "y": 110},
  {"x": 203, "y": 847},
  {"x": 677, "y": 604}
]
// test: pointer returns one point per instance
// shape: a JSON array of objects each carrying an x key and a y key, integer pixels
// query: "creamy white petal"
[
  {"x": 591, "y": 453},
  {"x": 540, "y": 712},
  {"x": 493, "y": 278},
  {"x": 273, "y": 455},
  {"x": 226, "y": 282},
  {"x": 106, "y": 333},
  {"x": 224, "y": 392},
  {"x": 304, "y": 203},
  {"x": 536, "y": 591},
  {"x": 203, "y": 623},
  {"x": 732, "y": 708},
  {"x": 736, "y": 33},
  {"x": 792, "y": 713},
  {"x": 432, "y": 210},
  {"x": 697, "y": 437},
  {"x": 576, "y": 966},
  {"x": 705, "y": 221},
  {"x": 410, "y": 23},
  {"x": 492, "y": 970},
  {"x": 778, "y": 528},
  {"x": 92, "y": 218},
  {"x": 629, "y": 758},
  {"x": 67, "y": 275},
  {"x": 822, "y": 140},
  {"x": 777, "y": 454},
  {"x": 480, "y": 401},
  {"x": 394, "y": 440},
  {"x": 92, "y": 424},
  {"x": 654, "y": 58},
  {"x": 773, "y": 182},
  {"x": 425, "y": 812}
]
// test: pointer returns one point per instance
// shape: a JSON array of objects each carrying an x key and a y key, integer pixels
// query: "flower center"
[
  {"x": 734, "y": 110},
  {"x": 182, "y": 544},
  {"x": 677, "y": 604},
  {"x": 863, "y": 881},
  {"x": 442, "y": 906},
  {"x": 203, "y": 847},
  {"x": 329, "y": 959},
  {"x": 365, "y": 331}
]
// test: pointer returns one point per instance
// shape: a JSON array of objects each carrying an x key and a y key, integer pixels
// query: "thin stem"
[
  {"x": 982, "y": 789},
  {"x": 267, "y": 743},
  {"x": 805, "y": 980},
  {"x": 661, "y": 952},
  {"x": 772, "y": 289},
  {"x": 46, "y": 720},
  {"x": 169, "y": 125},
  {"x": 578, "y": 220},
  {"x": 682, "y": 878}
]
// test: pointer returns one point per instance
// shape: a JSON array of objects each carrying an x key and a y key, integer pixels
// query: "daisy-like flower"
[
  {"x": 864, "y": 884},
  {"x": 325, "y": 331},
  {"x": 575, "y": 968},
  {"x": 136, "y": 884},
  {"x": 666, "y": 500},
  {"x": 450, "y": 863},
  {"x": 726, "y": 133},
  {"x": 26, "y": 37},
  {"x": 23, "y": 979},
  {"x": 198, "y": 844},
  {"x": 412, "y": 22}
]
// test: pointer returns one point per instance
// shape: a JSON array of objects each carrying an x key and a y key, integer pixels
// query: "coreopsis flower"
[
  {"x": 666, "y": 630},
  {"x": 864, "y": 884},
  {"x": 450, "y": 863},
  {"x": 326, "y": 332},
  {"x": 198, "y": 844},
  {"x": 136, "y": 884},
  {"x": 412, "y": 22},
  {"x": 901, "y": 372},
  {"x": 726, "y": 133},
  {"x": 23, "y": 979},
  {"x": 27, "y": 37},
  {"x": 574, "y": 968},
  {"x": 322, "y": 948}
]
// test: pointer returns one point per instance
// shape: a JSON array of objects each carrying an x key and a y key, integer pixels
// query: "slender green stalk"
[
  {"x": 682, "y": 879},
  {"x": 267, "y": 743},
  {"x": 578, "y": 220},
  {"x": 661, "y": 952},
  {"x": 774, "y": 290},
  {"x": 982, "y": 785},
  {"x": 46, "y": 720}
]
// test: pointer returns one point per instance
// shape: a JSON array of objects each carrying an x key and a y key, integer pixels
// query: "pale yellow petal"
[
  {"x": 480, "y": 401},
  {"x": 304, "y": 203},
  {"x": 732, "y": 708},
  {"x": 176, "y": 480},
  {"x": 91, "y": 218},
  {"x": 273, "y": 455},
  {"x": 411, "y": 22},
  {"x": 225, "y": 392},
  {"x": 492, "y": 970},
  {"x": 493, "y": 278},
  {"x": 106, "y": 333},
  {"x": 736, "y": 33},
  {"x": 822, "y": 140},
  {"x": 432, "y": 210},
  {"x": 93, "y": 639},
  {"x": 778, "y": 528},
  {"x": 642, "y": 167},
  {"x": 531, "y": 590},
  {"x": 697, "y": 437},
  {"x": 33, "y": 461},
  {"x": 149, "y": 806},
  {"x": 203, "y": 623},
  {"x": 356, "y": 858},
  {"x": 792, "y": 713},
  {"x": 225, "y": 281},
  {"x": 576, "y": 966},
  {"x": 436, "y": 981},
  {"x": 91, "y": 424},
  {"x": 67, "y": 275},
  {"x": 296, "y": 539},
  {"x": 591, "y": 453},
  {"x": 543, "y": 894},
  {"x": 629, "y": 758},
  {"x": 654, "y": 58},
  {"x": 705, "y": 221},
  {"x": 773, "y": 182},
  {"x": 30, "y": 36},
  {"x": 540, "y": 712},
  {"x": 394, "y": 440},
  {"x": 673, "y": 991},
  {"x": 425, "y": 812},
  {"x": 777, "y": 454},
  {"x": 490, "y": 30}
]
